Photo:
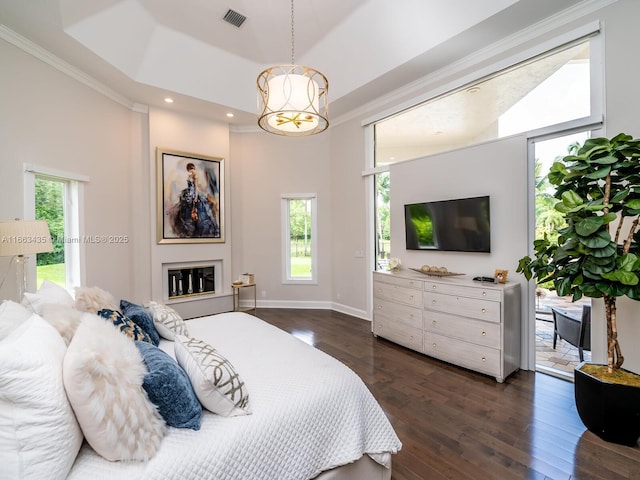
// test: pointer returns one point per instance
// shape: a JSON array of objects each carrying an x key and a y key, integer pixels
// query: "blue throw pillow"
[
  {"x": 168, "y": 387},
  {"x": 142, "y": 318},
  {"x": 124, "y": 324}
]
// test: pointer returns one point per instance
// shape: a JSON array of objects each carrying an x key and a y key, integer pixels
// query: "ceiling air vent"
[{"x": 234, "y": 18}]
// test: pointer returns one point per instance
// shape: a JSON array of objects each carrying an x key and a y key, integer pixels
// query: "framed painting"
[{"x": 190, "y": 190}]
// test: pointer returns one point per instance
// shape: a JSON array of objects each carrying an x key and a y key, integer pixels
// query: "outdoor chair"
[{"x": 576, "y": 331}]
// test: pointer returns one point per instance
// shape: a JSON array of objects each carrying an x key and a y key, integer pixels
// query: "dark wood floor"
[{"x": 456, "y": 424}]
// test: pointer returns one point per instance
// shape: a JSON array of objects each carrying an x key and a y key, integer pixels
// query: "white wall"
[
  {"x": 50, "y": 120},
  {"x": 265, "y": 167},
  {"x": 464, "y": 173}
]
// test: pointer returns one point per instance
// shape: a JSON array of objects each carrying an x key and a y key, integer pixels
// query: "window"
[
  {"x": 55, "y": 197},
  {"x": 511, "y": 100},
  {"x": 50, "y": 202},
  {"x": 299, "y": 238},
  {"x": 549, "y": 89}
]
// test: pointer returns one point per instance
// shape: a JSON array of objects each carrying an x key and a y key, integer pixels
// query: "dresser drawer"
[
  {"x": 396, "y": 293},
  {"x": 463, "y": 306},
  {"x": 475, "y": 357},
  {"x": 463, "y": 291},
  {"x": 473, "y": 331},
  {"x": 399, "y": 333},
  {"x": 405, "y": 314},
  {"x": 399, "y": 281}
]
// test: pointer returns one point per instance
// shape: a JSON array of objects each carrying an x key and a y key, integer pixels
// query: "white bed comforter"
[{"x": 311, "y": 413}]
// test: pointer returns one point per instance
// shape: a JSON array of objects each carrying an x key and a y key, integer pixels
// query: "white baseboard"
[{"x": 354, "y": 312}]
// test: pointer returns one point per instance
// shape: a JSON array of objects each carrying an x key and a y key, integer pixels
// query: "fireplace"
[{"x": 189, "y": 281}]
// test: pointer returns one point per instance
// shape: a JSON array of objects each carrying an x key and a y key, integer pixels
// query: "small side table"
[{"x": 236, "y": 297}]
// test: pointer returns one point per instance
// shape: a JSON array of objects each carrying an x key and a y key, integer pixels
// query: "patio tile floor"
[{"x": 564, "y": 358}]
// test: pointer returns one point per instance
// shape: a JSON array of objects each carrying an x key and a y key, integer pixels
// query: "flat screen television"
[{"x": 460, "y": 225}]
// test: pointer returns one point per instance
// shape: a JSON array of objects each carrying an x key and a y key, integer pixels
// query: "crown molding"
[
  {"x": 140, "y": 108},
  {"x": 49, "y": 58},
  {"x": 517, "y": 39},
  {"x": 245, "y": 128}
]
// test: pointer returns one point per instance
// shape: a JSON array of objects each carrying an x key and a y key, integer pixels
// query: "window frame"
[
  {"x": 287, "y": 279},
  {"x": 74, "y": 249}
]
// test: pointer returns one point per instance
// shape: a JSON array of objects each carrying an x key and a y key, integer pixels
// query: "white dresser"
[{"x": 470, "y": 324}]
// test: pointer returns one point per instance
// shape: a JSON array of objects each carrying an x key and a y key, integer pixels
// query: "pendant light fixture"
[{"x": 292, "y": 99}]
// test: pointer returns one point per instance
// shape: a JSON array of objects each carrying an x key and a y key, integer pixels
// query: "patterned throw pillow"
[
  {"x": 125, "y": 325},
  {"x": 140, "y": 317},
  {"x": 167, "y": 321},
  {"x": 215, "y": 381},
  {"x": 169, "y": 388}
]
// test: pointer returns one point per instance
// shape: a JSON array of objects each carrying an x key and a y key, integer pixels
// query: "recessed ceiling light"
[
  {"x": 230, "y": 115},
  {"x": 168, "y": 100},
  {"x": 473, "y": 90}
]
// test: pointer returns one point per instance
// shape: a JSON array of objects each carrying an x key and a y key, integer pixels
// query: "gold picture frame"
[
  {"x": 190, "y": 197},
  {"x": 501, "y": 276}
]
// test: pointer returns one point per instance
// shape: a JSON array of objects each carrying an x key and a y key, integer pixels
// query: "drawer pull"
[
  {"x": 433, "y": 322},
  {"x": 411, "y": 337},
  {"x": 433, "y": 301},
  {"x": 433, "y": 344},
  {"x": 484, "y": 310},
  {"x": 379, "y": 307},
  {"x": 434, "y": 286},
  {"x": 484, "y": 359},
  {"x": 484, "y": 334},
  {"x": 410, "y": 297},
  {"x": 484, "y": 294}
]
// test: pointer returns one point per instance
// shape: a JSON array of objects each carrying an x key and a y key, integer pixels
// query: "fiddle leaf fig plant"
[{"x": 597, "y": 253}]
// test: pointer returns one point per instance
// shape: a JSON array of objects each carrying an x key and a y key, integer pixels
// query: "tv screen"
[{"x": 460, "y": 225}]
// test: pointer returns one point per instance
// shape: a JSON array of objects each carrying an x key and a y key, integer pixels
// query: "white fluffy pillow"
[
  {"x": 215, "y": 381},
  {"x": 64, "y": 319},
  {"x": 12, "y": 315},
  {"x": 48, "y": 293},
  {"x": 103, "y": 374},
  {"x": 167, "y": 321},
  {"x": 39, "y": 434},
  {"x": 94, "y": 299}
]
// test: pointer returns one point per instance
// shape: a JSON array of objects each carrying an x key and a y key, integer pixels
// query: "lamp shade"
[
  {"x": 22, "y": 237},
  {"x": 292, "y": 100}
]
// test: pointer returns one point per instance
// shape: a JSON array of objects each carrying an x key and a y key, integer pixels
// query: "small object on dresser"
[
  {"x": 501, "y": 276},
  {"x": 394, "y": 264},
  {"x": 484, "y": 279},
  {"x": 247, "y": 278}
]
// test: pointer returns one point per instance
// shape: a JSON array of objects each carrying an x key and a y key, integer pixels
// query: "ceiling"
[{"x": 146, "y": 50}]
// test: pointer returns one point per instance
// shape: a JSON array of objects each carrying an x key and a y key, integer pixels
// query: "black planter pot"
[{"x": 609, "y": 410}]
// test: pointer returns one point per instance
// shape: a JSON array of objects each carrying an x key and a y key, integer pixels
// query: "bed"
[{"x": 312, "y": 417}]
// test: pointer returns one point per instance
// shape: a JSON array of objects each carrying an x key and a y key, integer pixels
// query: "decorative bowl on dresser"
[{"x": 475, "y": 326}]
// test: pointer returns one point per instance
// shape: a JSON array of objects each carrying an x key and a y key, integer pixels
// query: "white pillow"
[
  {"x": 167, "y": 321},
  {"x": 94, "y": 299},
  {"x": 12, "y": 314},
  {"x": 48, "y": 293},
  {"x": 215, "y": 381},
  {"x": 103, "y": 374},
  {"x": 39, "y": 434}
]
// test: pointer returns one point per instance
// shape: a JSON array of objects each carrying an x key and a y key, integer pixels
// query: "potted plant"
[{"x": 597, "y": 255}]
